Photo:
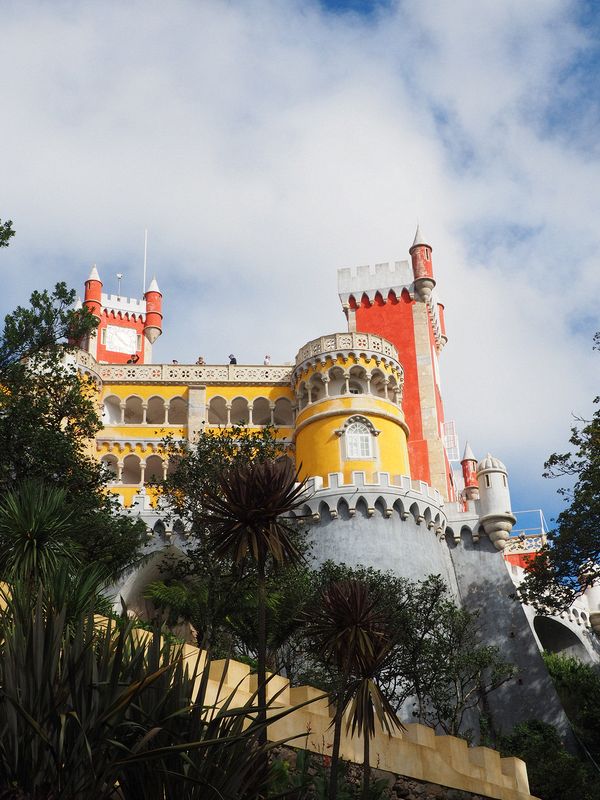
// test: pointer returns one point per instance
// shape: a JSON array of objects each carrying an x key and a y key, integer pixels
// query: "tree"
[
  {"x": 49, "y": 326},
  {"x": 99, "y": 711},
  {"x": 437, "y": 669},
  {"x": 245, "y": 515},
  {"x": 554, "y": 774},
  {"x": 6, "y": 232},
  {"x": 35, "y": 523},
  {"x": 215, "y": 595},
  {"x": 49, "y": 417},
  {"x": 349, "y": 629},
  {"x": 570, "y": 561}
]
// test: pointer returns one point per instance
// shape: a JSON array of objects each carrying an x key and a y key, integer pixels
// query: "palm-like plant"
[
  {"x": 34, "y": 532},
  {"x": 245, "y": 518},
  {"x": 349, "y": 630},
  {"x": 100, "y": 712}
]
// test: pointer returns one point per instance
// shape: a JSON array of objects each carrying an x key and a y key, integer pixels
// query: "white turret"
[
  {"x": 495, "y": 512},
  {"x": 592, "y": 595}
]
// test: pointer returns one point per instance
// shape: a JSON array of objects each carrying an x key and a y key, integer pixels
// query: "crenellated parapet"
[{"x": 384, "y": 495}]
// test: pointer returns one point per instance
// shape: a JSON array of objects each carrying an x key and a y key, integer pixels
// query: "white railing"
[
  {"x": 350, "y": 341},
  {"x": 186, "y": 373}
]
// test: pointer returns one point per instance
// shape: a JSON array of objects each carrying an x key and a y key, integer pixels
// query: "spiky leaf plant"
[
  {"x": 246, "y": 519},
  {"x": 348, "y": 627},
  {"x": 89, "y": 711},
  {"x": 34, "y": 531}
]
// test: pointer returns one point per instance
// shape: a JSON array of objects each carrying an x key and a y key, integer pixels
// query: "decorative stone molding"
[
  {"x": 387, "y": 494},
  {"x": 345, "y": 343},
  {"x": 185, "y": 374}
]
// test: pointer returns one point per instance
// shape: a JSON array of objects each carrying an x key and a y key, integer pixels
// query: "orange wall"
[{"x": 394, "y": 321}]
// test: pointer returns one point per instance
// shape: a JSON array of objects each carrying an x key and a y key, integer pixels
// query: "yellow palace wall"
[{"x": 320, "y": 448}]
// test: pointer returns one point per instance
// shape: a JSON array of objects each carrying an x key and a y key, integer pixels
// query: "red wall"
[
  {"x": 394, "y": 321},
  {"x": 122, "y": 321}
]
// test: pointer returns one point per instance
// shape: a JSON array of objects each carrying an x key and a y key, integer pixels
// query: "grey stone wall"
[{"x": 479, "y": 580}]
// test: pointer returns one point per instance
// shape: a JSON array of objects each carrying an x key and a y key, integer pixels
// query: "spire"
[
  {"x": 78, "y": 304},
  {"x": 468, "y": 454},
  {"x": 153, "y": 286},
  {"x": 419, "y": 238},
  {"x": 93, "y": 276}
]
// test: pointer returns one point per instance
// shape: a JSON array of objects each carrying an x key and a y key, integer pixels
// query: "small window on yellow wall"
[{"x": 359, "y": 441}]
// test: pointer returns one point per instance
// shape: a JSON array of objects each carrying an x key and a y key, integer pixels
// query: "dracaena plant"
[
  {"x": 99, "y": 711},
  {"x": 349, "y": 629},
  {"x": 246, "y": 518}
]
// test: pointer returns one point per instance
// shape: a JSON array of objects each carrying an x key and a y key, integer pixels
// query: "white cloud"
[{"x": 265, "y": 144}]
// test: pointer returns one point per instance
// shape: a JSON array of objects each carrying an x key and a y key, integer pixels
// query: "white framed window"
[
  {"x": 359, "y": 441},
  {"x": 139, "y": 342},
  {"x": 103, "y": 336}
]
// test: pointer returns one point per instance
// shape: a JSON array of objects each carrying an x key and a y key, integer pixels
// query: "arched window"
[
  {"x": 359, "y": 441},
  {"x": 177, "y": 411}
]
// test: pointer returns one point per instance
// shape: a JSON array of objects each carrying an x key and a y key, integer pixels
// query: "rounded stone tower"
[
  {"x": 348, "y": 389},
  {"x": 494, "y": 497}
]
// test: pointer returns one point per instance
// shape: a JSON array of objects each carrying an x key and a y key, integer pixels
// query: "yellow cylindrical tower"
[{"x": 348, "y": 390}]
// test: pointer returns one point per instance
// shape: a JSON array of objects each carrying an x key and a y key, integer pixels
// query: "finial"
[
  {"x": 468, "y": 454},
  {"x": 153, "y": 286},
  {"x": 419, "y": 238}
]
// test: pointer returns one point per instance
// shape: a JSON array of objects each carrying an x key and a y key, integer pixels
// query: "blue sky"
[{"x": 264, "y": 145}]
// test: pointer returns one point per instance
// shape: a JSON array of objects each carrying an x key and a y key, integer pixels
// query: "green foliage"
[
  {"x": 349, "y": 629},
  {"x": 6, "y": 232},
  {"x": 220, "y": 597},
  {"x": 436, "y": 658},
  {"x": 48, "y": 415},
  {"x": 570, "y": 561},
  {"x": 553, "y": 773},
  {"x": 198, "y": 466},
  {"x": 48, "y": 326},
  {"x": 578, "y": 686},
  {"x": 87, "y": 709},
  {"x": 34, "y": 532}
]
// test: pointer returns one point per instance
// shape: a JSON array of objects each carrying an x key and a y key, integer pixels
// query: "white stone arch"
[
  {"x": 239, "y": 414},
  {"x": 261, "y": 411},
  {"x": 378, "y": 383},
  {"x": 111, "y": 410},
  {"x": 134, "y": 410},
  {"x": 358, "y": 381},
  {"x": 131, "y": 474},
  {"x": 398, "y": 507},
  {"x": 155, "y": 411},
  {"x": 381, "y": 507},
  {"x": 361, "y": 508},
  {"x": 111, "y": 462},
  {"x": 217, "y": 411},
  {"x": 416, "y": 512},
  {"x": 316, "y": 387},
  {"x": 556, "y": 637},
  {"x": 283, "y": 413},
  {"x": 177, "y": 411},
  {"x": 324, "y": 510},
  {"x": 343, "y": 509},
  {"x": 154, "y": 469},
  {"x": 337, "y": 380},
  {"x": 302, "y": 395}
]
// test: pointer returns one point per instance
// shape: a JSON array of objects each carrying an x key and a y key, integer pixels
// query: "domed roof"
[{"x": 490, "y": 462}]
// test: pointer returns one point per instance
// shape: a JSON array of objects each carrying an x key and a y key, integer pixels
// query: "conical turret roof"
[
  {"x": 153, "y": 286},
  {"x": 93, "y": 276},
  {"x": 468, "y": 454},
  {"x": 419, "y": 238}
]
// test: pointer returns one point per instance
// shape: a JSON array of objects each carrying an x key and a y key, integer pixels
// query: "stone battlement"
[
  {"x": 117, "y": 303},
  {"x": 416, "y": 752},
  {"x": 384, "y": 495}
]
